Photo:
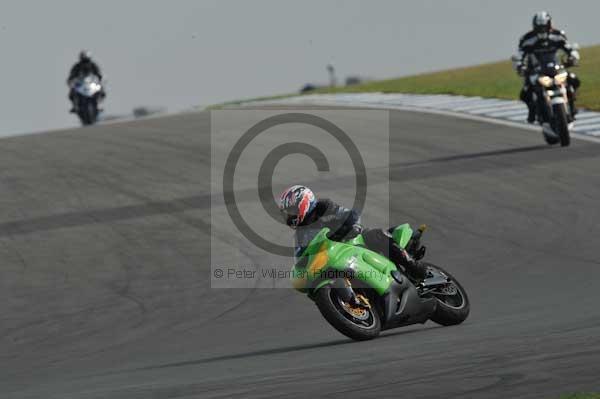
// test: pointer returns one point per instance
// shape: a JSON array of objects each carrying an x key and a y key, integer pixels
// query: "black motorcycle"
[
  {"x": 553, "y": 96},
  {"x": 88, "y": 93}
]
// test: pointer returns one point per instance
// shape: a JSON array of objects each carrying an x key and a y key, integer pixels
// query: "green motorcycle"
[{"x": 360, "y": 292}]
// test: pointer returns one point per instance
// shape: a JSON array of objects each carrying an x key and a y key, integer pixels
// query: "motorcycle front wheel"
[
  {"x": 358, "y": 323},
  {"x": 88, "y": 111},
  {"x": 561, "y": 124}
]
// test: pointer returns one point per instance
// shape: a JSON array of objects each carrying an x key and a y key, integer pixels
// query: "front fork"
[
  {"x": 347, "y": 294},
  {"x": 549, "y": 97}
]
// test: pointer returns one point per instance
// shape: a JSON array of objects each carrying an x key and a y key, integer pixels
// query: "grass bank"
[{"x": 496, "y": 80}]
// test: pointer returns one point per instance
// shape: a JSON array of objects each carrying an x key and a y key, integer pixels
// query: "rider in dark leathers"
[
  {"x": 544, "y": 38},
  {"x": 85, "y": 66},
  {"x": 344, "y": 224}
]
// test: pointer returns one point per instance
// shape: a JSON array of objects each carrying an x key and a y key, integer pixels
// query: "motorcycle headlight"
[
  {"x": 545, "y": 81},
  {"x": 561, "y": 78}
]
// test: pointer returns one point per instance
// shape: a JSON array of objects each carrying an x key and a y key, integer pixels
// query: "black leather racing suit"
[
  {"x": 345, "y": 224},
  {"x": 532, "y": 43}
]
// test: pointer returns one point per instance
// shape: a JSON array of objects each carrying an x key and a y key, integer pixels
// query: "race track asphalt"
[{"x": 105, "y": 279}]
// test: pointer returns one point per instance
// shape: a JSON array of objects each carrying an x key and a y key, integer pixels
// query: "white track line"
[
  {"x": 584, "y": 115},
  {"x": 458, "y": 106},
  {"x": 588, "y": 122},
  {"x": 460, "y": 102},
  {"x": 482, "y": 105},
  {"x": 506, "y": 114},
  {"x": 588, "y": 128},
  {"x": 509, "y": 107}
]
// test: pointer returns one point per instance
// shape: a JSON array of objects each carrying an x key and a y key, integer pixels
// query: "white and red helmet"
[{"x": 296, "y": 203}]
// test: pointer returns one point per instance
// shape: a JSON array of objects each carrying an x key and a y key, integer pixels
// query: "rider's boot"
[
  {"x": 531, "y": 114},
  {"x": 382, "y": 242},
  {"x": 415, "y": 269},
  {"x": 526, "y": 97},
  {"x": 574, "y": 110},
  {"x": 73, "y": 109}
]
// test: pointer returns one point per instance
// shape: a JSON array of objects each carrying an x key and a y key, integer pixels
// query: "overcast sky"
[{"x": 183, "y": 53}]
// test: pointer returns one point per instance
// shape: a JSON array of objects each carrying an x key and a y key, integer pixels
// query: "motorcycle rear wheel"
[{"x": 452, "y": 309}]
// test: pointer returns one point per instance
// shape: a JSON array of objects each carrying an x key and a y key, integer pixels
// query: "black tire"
[
  {"x": 561, "y": 123},
  {"x": 83, "y": 111},
  {"x": 87, "y": 111},
  {"x": 92, "y": 111},
  {"x": 450, "y": 314},
  {"x": 326, "y": 302},
  {"x": 551, "y": 140}
]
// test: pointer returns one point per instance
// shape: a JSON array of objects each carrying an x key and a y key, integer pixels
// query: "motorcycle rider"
[
  {"x": 544, "y": 37},
  {"x": 85, "y": 66},
  {"x": 307, "y": 215}
]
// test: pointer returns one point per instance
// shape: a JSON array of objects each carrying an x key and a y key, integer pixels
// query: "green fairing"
[
  {"x": 358, "y": 240},
  {"x": 402, "y": 235},
  {"x": 367, "y": 266}
]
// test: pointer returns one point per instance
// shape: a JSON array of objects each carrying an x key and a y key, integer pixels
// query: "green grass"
[
  {"x": 582, "y": 396},
  {"x": 496, "y": 80}
]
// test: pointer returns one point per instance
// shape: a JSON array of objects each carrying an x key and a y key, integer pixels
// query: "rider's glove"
[
  {"x": 573, "y": 58},
  {"x": 356, "y": 230}
]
